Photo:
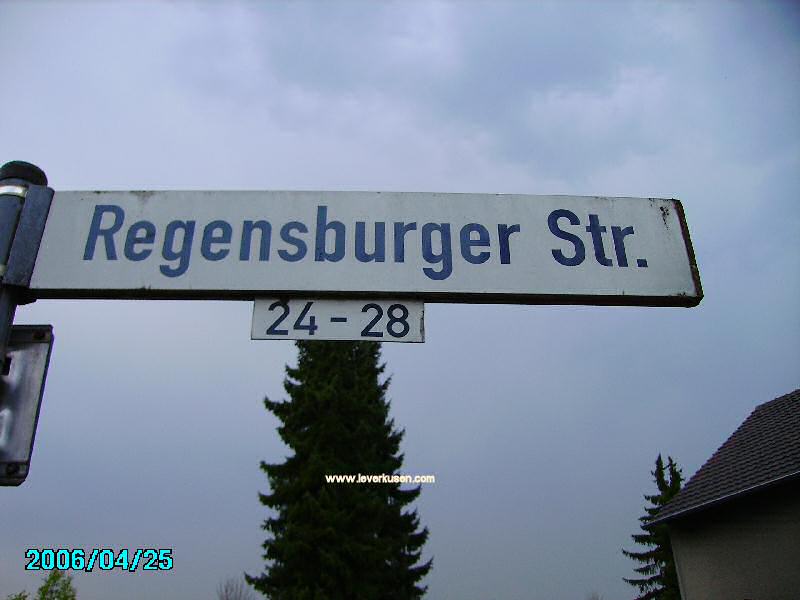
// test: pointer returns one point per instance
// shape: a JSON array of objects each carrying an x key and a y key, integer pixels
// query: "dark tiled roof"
[{"x": 764, "y": 450}]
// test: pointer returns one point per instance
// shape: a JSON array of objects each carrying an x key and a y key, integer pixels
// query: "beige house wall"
[{"x": 747, "y": 549}]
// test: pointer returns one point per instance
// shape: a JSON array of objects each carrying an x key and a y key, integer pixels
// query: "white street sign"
[
  {"x": 304, "y": 319},
  {"x": 426, "y": 246}
]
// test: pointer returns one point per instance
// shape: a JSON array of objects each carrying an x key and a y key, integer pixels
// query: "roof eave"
[{"x": 686, "y": 512}]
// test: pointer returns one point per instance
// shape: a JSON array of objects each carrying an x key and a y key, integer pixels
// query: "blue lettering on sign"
[
  {"x": 132, "y": 240},
  {"x": 467, "y": 243},
  {"x": 183, "y": 253},
  {"x": 596, "y": 231},
  {"x": 579, "y": 249},
  {"x": 251, "y": 240},
  {"x": 265, "y": 230},
  {"x": 400, "y": 231},
  {"x": 299, "y": 244},
  {"x": 379, "y": 254},
  {"x": 323, "y": 227},
  {"x": 209, "y": 239},
  {"x": 505, "y": 231},
  {"x": 107, "y": 234},
  {"x": 444, "y": 255}
]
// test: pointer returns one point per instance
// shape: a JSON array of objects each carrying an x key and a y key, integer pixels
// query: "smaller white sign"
[{"x": 370, "y": 320}]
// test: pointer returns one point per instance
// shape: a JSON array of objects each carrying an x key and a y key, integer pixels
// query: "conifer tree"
[
  {"x": 659, "y": 579},
  {"x": 57, "y": 586},
  {"x": 338, "y": 540}
]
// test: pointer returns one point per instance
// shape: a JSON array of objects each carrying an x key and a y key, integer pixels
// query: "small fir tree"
[
  {"x": 57, "y": 586},
  {"x": 659, "y": 579},
  {"x": 339, "y": 540}
]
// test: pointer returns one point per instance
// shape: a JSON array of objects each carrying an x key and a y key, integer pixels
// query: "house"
[{"x": 735, "y": 526}]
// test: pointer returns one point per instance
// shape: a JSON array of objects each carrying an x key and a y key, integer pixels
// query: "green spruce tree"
[
  {"x": 55, "y": 586},
  {"x": 659, "y": 579},
  {"x": 339, "y": 540}
]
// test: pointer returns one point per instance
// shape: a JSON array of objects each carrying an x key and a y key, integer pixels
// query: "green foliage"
[
  {"x": 338, "y": 540},
  {"x": 56, "y": 586},
  {"x": 659, "y": 579}
]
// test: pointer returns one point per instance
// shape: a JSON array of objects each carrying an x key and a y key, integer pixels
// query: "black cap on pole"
[{"x": 18, "y": 169}]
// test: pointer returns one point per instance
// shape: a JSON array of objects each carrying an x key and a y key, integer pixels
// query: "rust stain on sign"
[{"x": 142, "y": 194}]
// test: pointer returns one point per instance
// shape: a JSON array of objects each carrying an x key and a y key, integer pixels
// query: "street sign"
[
  {"x": 304, "y": 319},
  {"x": 369, "y": 260},
  {"x": 372, "y": 245}
]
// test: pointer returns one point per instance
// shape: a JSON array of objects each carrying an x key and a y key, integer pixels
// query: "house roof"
[{"x": 763, "y": 451}]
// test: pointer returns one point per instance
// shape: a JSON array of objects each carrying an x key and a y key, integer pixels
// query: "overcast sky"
[{"x": 540, "y": 423}]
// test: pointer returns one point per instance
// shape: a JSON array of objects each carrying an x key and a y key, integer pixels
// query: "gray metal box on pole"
[
  {"x": 24, "y": 350},
  {"x": 22, "y": 386}
]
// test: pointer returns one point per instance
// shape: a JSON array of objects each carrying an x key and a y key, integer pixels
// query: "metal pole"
[{"x": 15, "y": 177}]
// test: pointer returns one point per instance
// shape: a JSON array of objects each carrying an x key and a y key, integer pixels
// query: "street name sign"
[
  {"x": 308, "y": 319},
  {"x": 429, "y": 247},
  {"x": 318, "y": 265}
]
